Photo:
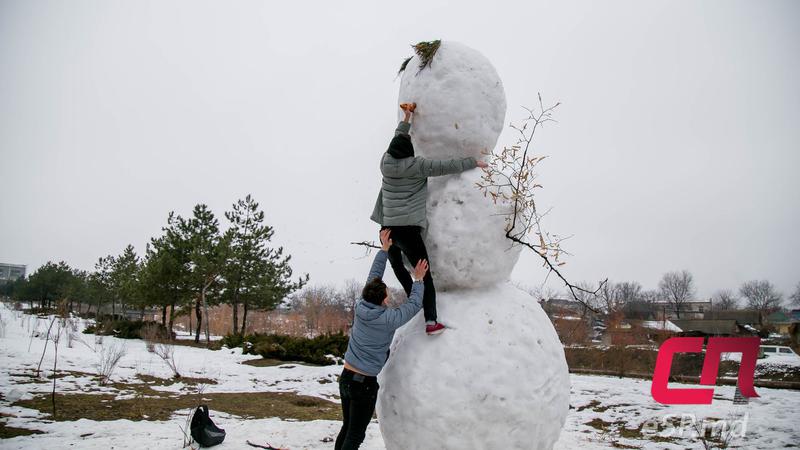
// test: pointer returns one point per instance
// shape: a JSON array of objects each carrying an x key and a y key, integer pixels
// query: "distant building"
[
  {"x": 688, "y": 310},
  {"x": 707, "y": 327},
  {"x": 742, "y": 317},
  {"x": 782, "y": 321},
  {"x": 11, "y": 272}
]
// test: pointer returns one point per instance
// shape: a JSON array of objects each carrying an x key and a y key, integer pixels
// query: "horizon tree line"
[
  {"x": 677, "y": 289},
  {"x": 192, "y": 265}
]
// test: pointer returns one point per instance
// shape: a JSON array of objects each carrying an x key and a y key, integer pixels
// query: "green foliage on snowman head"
[{"x": 425, "y": 50}]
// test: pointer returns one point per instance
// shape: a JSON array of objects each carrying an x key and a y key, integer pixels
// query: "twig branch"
[
  {"x": 366, "y": 244},
  {"x": 519, "y": 187}
]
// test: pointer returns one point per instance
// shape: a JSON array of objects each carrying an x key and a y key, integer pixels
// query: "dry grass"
[
  {"x": 266, "y": 362},
  {"x": 154, "y": 405},
  {"x": 192, "y": 381},
  {"x": 7, "y": 432},
  {"x": 150, "y": 404}
]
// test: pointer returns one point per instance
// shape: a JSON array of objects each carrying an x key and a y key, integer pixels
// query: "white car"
[{"x": 779, "y": 354}]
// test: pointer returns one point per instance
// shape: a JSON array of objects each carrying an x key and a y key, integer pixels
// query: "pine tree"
[
  {"x": 125, "y": 279},
  {"x": 50, "y": 282},
  {"x": 100, "y": 290},
  {"x": 257, "y": 276},
  {"x": 247, "y": 235},
  {"x": 207, "y": 255},
  {"x": 176, "y": 275}
]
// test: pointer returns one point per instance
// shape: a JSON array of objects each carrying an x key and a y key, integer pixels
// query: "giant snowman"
[{"x": 497, "y": 378}]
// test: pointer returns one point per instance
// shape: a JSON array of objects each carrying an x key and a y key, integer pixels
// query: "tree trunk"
[
  {"x": 235, "y": 305},
  {"x": 172, "y": 318},
  {"x": 199, "y": 316},
  {"x": 205, "y": 312},
  {"x": 244, "y": 318},
  {"x": 164, "y": 315}
]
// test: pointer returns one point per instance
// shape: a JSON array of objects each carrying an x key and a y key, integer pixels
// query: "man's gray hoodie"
[{"x": 374, "y": 325}]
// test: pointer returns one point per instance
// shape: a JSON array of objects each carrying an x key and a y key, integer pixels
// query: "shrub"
[
  {"x": 291, "y": 348},
  {"x": 128, "y": 329},
  {"x": 233, "y": 340},
  {"x": 108, "y": 359}
]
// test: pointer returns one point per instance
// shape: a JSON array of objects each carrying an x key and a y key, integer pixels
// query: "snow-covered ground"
[{"x": 605, "y": 411}]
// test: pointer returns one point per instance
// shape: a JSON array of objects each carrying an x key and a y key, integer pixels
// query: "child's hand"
[
  {"x": 482, "y": 164},
  {"x": 408, "y": 108}
]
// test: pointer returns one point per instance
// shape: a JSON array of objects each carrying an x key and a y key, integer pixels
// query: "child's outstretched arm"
[
  {"x": 438, "y": 167},
  {"x": 405, "y": 126}
]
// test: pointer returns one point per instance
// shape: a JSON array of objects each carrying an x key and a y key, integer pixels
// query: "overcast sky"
[{"x": 677, "y": 147}]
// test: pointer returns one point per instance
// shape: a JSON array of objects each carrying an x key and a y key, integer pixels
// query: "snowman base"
[{"x": 496, "y": 378}]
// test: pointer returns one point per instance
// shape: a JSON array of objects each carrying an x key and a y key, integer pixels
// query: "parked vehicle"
[{"x": 778, "y": 353}]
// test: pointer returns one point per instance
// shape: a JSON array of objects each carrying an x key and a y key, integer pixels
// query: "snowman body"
[{"x": 497, "y": 378}]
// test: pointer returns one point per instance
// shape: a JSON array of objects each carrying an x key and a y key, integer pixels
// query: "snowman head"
[{"x": 461, "y": 103}]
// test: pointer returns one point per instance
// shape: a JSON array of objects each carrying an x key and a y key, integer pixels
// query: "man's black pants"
[
  {"x": 359, "y": 393},
  {"x": 408, "y": 240}
]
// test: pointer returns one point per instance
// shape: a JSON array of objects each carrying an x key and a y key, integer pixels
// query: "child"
[{"x": 401, "y": 207}]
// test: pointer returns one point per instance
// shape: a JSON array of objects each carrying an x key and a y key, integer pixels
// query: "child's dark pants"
[{"x": 408, "y": 240}]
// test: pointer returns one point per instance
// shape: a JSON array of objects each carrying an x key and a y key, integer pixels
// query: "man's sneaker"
[{"x": 434, "y": 329}]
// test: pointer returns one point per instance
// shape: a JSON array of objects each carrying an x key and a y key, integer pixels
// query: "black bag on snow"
[{"x": 203, "y": 429}]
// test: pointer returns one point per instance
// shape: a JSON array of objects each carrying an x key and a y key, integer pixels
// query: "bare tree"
[
  {"x": 351, "y": 293},
  {"x": 628, "y": 291},
  {"x": 47, "y": 337},
  {"x": 761, "y": 295},
  {"x": 108, "y": 357},
  {"x": 540, "y": 293},
  {"x": 166, "y": 351},
  {"x": 650, "y": 296},
  {"x": 794, "y": 299},
  {"x": 614, "y": 296},
  {"x": 609, "y": 298},
  {"x": 677, "y": 288},
  {"x": 724, "y": 299},
  {"x": 325, "y": 308}
]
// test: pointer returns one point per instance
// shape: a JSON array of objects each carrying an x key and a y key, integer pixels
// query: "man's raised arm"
[
  {"x": 379, "y": 263},
  {"x": 397, "y": 317}
]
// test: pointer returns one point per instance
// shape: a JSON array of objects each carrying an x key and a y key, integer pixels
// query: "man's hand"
[
  {"x": 385, "y": 241},
  {"x": 420, "y": 270},
  {"x": 482, "y": 164}
]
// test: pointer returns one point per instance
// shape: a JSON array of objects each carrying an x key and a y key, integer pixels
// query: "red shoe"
[{"x": 434, "y": 329}]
